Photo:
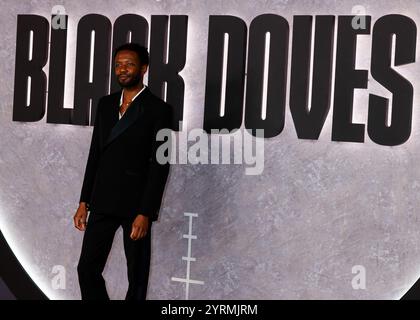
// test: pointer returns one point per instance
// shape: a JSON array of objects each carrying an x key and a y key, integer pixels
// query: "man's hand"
[
  {"x": 140, "y": 227},
  {"x": 80, "y": 217}
]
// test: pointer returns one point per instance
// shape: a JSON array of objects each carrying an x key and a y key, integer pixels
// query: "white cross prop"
[{"x": 188, "y": 258}]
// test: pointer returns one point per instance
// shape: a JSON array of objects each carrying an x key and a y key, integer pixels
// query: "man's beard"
[{"x": 132, "y": 82}]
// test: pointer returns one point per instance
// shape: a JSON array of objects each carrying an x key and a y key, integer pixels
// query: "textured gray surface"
[{"x": 296, "y": 231}]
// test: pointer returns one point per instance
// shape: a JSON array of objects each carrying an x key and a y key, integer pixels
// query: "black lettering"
[
  {"x": 160, "y": 71},
  {"x": 309, "y": 122},
  {"x": 32, "y": 68},
  {"x": 405, "y": 32},
  {"x": 84, "y": 90},
  {"x": 277, "y": 74},
  {"x": 235, "y": 73},
  {"x": 346, "y": 80},
  {"x": 56, "y": 112}
]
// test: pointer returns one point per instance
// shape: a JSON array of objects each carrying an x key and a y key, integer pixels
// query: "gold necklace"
[{"x": 126, "y": 104}]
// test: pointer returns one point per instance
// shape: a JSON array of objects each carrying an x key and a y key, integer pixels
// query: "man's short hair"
[{"x": 135, "y": 47}]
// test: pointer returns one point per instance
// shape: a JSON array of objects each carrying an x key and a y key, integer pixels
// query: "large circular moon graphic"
[{"x": 320, "y": 214}]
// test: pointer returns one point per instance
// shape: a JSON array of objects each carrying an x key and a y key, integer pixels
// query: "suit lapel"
[{"x": 130, "y": 116}]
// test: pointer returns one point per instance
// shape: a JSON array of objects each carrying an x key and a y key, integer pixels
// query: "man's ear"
[{"x": 143, "y": 69}]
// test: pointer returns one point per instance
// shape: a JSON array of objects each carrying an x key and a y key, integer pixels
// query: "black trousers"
[{"x": 97, "y": 242}]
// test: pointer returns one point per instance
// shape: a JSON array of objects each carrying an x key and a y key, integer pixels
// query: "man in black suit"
[{"x": 124, "y": 181}]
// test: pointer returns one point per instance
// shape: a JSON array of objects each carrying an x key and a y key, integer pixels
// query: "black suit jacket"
[{"x": 122, "y": 176}]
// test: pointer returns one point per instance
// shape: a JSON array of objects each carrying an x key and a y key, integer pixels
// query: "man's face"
[{"x": 128, "y": 69}]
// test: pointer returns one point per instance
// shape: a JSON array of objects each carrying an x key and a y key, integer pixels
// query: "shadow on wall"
[
  {"x": 14, "y": 281},
  {"x": 413, "y": 293},
  {"x": 5, "y": 293}
]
